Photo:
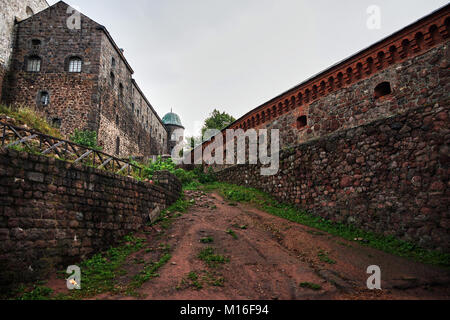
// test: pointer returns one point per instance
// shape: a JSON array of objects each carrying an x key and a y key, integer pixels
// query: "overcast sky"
[{"x": 234, "y": 55}]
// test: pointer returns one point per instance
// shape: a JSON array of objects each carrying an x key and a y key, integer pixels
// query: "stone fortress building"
[
  {"x": 70, "y": 69},
  {"x": 12, "y": 12}
]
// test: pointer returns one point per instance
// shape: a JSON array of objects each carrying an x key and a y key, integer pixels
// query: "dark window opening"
[
  {"x": 383, "y": 89},
  {"x": 56, "y": 123},
  {"x": 117, "y": 119},
  {"x": 44, "y": 98},
  {"x": 120, "y": 91},
  {"x": 117, "y": 146},
  {"x": 113, "y": 62},
  {"x": 112, "y": 79},
  {"x": 302, "y": 122},
  {"x": 35, "y": 42}
]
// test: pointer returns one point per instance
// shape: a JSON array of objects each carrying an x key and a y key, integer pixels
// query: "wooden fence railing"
[{"x": 12, "y": 136}]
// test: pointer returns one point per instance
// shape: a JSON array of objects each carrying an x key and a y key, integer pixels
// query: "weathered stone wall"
[
  {"x": 10, "y": 11},
  {"x": 54, "y": 212},
  {"x": 2, "y": 77},
  {"x": 390, "y": 176},
  {"x": 72, "y": 96}
]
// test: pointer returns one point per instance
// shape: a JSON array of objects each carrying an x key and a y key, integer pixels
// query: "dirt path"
[{"x": 268, "y": 258}]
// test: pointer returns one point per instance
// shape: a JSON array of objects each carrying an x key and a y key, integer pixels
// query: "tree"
[{"x": 218, "y": 121}]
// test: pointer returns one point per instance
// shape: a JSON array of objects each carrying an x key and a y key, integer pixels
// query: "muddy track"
[{"x": 267, "y": 258}]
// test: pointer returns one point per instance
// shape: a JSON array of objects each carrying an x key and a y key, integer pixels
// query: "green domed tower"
[{"x": 172, "y": 122}]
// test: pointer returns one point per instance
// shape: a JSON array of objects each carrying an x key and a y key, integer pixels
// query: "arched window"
[
  {"x": 56, "y": 123},
  {"x": 75, "y": 64},
  {"x": 34, "y": 64},
  {"x": 302, "y": 122},
  {"x": 383, "y": 89},
  {"x": 112, "y": 78},
  {"x": 36, "y": 43},
  {"x": 120, "y": 91}
]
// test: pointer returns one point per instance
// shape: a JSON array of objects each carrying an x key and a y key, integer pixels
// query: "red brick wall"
[{"x": 343, "y": 96}]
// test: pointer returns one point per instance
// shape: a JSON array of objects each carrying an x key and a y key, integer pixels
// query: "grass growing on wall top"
[
  {"x": 31, "y": 118},
  {"x": 387, "y": 244}
]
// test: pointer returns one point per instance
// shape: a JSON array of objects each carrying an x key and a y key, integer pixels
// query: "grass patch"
[
  {"x": 149, "y": 272},
  {"x": 99, "y": 274},
  {"x": 312, "y": 286},
  {"x": 167, "y": 216},
  {"x": 232, "y": 233},
  {"x": 211, "y": 259},
  {"x": 38, "y": 293},
  {"x": 31, "y": 118},
  {"x": 194, "y": 280},
  {"x": 387, "y": 244},
  {"x": 198, "y": 280},
  {"x": 323, "y": 256},
  {"x": 207, "y": 240}
]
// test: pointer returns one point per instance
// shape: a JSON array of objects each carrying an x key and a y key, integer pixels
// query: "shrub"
[
  {"x": 86, "y": 138},
  {"x": 203, "y": 177},
  {"x": 186, "y": 177}
]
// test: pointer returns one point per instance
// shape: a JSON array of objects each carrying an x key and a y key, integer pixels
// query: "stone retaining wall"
[
  {"x": 390, "y": 176},
  {"x": 54, "y": 212}
]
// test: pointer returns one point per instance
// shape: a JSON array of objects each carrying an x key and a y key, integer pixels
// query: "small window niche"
[
  {"x": 117, "y": 146},
  {"x": 36, "y": 44},
  {"x": 382, "y": 90},
  {"x": 112, "y": 79},
  {"x": 56, "y": 123},
  {"x": 302, "y": 122},
  {"x": 43, "y": 99}
]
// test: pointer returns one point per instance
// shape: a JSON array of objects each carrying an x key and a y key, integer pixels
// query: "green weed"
[
  {"x": 312, "y": 286},
  {"x": 387, "y": 244},
  {"x": 211, "y": 259}
]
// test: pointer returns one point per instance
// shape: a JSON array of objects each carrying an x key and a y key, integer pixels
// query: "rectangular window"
[
  {"x": 75, "y": 65},
  {"x": 34, "y": 65}
]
